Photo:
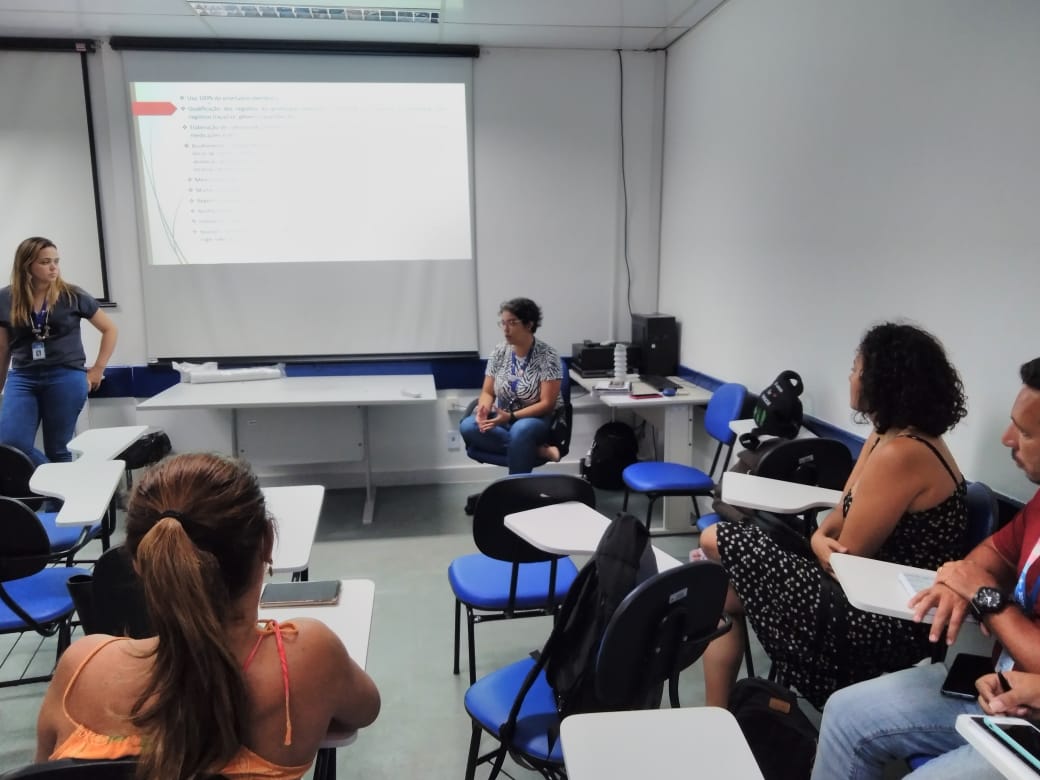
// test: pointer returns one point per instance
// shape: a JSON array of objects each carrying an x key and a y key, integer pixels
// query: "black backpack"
[
  {"x": 614, "y": 448},
  {"x": 622, "y": 560},
  {"x": 781, "y": 737},
  {"x": 778, "y": 411}
]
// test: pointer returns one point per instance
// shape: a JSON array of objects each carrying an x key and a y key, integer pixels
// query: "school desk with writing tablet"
[{"x": 878, "y": 586}]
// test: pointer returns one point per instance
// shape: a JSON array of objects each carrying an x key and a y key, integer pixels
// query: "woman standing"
[
  {"x": 48, "y": 380},
  {"x": 520, "y": 394}
]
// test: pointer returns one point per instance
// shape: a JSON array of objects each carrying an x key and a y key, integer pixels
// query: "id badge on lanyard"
[{"x": 41, "y": 326}]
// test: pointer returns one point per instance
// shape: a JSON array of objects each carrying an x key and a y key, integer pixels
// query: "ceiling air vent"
[{"x": 339, "y": 13}]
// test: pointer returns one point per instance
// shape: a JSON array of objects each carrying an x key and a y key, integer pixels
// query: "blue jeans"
[
  {"x": 517, "y": 441},
  {"x": 893, "y": 717},
  {"x": 53, "y": 395}
]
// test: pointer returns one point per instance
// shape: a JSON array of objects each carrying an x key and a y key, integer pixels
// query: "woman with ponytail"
[{"x": 217, "y": 690}]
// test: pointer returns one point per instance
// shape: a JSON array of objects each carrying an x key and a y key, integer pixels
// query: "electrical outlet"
[{"x": 454, "y": 441}]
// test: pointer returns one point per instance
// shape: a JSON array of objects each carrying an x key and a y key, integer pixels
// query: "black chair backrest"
[
  {"x": 824, "y": 463},
  {"x": 661, "y": 628},
  {"x": 16, "y": 469},
  {"x": 24, "y": 546},
  {"x": 518, "y": 493},
  {"x": 111, "y": 599},
  {"x": 77, "y": 769},
  {"x": 82, "y": 769}
]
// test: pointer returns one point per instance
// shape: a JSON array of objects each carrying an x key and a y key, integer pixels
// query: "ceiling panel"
[{"x": 584, "y": 24}]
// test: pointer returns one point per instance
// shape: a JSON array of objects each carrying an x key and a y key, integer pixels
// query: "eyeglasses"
[{"x": 508, "y": 323}]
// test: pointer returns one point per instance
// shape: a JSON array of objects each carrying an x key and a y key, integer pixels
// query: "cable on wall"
[{"x": 624, "y": 180}]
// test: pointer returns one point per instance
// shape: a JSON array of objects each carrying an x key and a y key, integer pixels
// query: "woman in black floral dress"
[{"x": 904, "y": 502}]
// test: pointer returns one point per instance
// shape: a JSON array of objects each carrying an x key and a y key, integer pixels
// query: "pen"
[{"x": 1004, "y": 684}]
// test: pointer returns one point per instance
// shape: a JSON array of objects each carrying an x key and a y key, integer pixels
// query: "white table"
[
  {"x": 669, "y": 744},
  {"x": 303, "y": 391},
  {"x": 992, "y": 749},
  {"x": 86, "y": 486},
  {"x": 296, "y": 511},
  {"x": 350, "y": 620},
  {"x": 571, "y": 528},
  {"x": 775, "y": 495},
  {"x": 673, "y": 417},
  {"x": 874, "y": 586},
  {"x": 105, "y": 443}
]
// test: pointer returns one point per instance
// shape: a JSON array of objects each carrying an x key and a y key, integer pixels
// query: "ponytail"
[{"x": 192, "y": 713}]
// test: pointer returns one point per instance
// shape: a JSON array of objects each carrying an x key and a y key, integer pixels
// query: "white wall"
[
  {"x": 548, "y": 225},
  {"x": 832, "y": 163}
]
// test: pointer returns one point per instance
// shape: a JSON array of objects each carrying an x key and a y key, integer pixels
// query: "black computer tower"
[{"x": 658, "y": 335}]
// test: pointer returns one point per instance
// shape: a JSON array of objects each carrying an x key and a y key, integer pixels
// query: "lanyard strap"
[
  {"x": 41, "y": 319},
  {"x": 517, "y": 369},
  {"x": 1020, "y": 588}
]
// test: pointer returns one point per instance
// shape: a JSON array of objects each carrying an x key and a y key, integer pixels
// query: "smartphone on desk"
[
  {"x": 300, "y": 594},
  {"x": 1021, "y": 736},
  {"x": 964, "y": 671}
]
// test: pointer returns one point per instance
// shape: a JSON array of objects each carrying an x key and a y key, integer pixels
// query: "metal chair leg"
[
  {"x": 458, "y": 632},
  {"x": 472, "y": 646},
  {"x": 474, "y": 748}
]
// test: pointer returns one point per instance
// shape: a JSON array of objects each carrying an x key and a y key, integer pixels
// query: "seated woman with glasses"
[
  {"x": 520, "y": 394},
  {"x": 216, "y": 690}
]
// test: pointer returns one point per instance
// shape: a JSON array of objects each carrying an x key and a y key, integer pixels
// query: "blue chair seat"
[
  {"x": 44, "y": 596},
  {"x": 489, "y": 700},
  {"x": 661, "y": 477},
  {"x": 707, "y": 521},
  {"x": 64, "y": 537},
  {"x": 483, "y": 582}
]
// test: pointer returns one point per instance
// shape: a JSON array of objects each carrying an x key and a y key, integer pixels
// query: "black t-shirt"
[{"x": 63, "y": 344}]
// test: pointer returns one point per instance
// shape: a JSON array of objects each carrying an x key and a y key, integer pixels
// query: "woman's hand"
[
  {"x": 95, "y": 376},
  {"x": 824, "y": 546},
  {"x": 491, "y": 419},
  {"x": 1022, "y": 701}
]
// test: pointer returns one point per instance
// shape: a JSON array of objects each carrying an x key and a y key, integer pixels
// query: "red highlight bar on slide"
[{"x": 152, "y": 108}]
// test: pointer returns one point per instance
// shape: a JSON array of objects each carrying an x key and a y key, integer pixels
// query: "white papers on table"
[{"x": 198, "y": 373}]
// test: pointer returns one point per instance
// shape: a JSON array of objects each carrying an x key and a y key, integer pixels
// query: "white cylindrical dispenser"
[{"x": 620, "y": 363}]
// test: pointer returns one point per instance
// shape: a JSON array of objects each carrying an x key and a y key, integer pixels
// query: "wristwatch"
[{"x": 988, "y": 601}]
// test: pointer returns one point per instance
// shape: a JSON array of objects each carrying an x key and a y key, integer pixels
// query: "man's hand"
[
  {"x": 955, "y": 584},
  {"x": 1022, "y": 701}
]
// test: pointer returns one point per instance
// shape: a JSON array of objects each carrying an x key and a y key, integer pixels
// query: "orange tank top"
[{"x": 88, "y": 744}]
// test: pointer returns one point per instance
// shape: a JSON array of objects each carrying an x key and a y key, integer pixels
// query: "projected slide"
[{"x": 301, "y": 172}]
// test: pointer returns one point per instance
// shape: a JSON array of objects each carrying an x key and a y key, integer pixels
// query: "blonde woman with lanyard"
[
  {"x": 520, "y": 393},
  {"x": 48, "y": 380}
]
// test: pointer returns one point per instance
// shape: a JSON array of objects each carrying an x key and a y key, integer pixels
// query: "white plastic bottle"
[{"x": 620, "y": 363}]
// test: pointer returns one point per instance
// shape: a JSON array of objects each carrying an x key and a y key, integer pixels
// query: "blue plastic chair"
[
  {"x": 33, "y": 596},
  {"x": 657, "y": 479},
  {"x": 16, "y": 470},
  {"x": 510, "y": 578},
  {"x": 661, "y": 628}
]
